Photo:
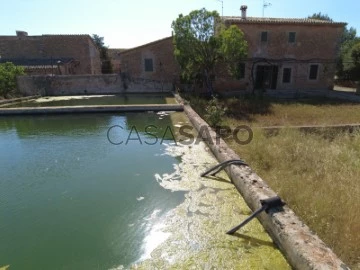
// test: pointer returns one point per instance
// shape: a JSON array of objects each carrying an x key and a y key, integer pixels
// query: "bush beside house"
[{"x": 8, "y": 73}]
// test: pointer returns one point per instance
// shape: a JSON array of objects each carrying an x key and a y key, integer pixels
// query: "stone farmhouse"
[
  {"x": 51, "y": 54},
  {"x": 283, "y": 54}
]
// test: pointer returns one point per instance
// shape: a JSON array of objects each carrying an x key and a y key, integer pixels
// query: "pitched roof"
[
  {"x": 147, "y": 44},
  {"x": 260, "y": 20}
]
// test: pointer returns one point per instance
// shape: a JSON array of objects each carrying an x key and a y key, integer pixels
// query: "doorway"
[{"x": 266, "y": 77}]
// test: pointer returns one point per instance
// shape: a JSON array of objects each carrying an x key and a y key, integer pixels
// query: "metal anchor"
[
  {"x": 266, "y": 205},
  {"x": 214, "y": 170}
]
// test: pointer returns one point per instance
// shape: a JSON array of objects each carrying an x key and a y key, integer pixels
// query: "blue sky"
[{"x": 125, "y": 24}]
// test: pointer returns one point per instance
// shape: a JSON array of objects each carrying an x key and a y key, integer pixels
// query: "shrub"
[
  {"x": 214, "y": 112},
  {"x": 355, "y": 55},
  {"x": 8, "y": 73}
]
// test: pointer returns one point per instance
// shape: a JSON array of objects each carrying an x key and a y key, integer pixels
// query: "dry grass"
[
  {"x": 265, "y": 112},
  {"x": 300, "y": 113},
  {"x": 318, "y": 177}
]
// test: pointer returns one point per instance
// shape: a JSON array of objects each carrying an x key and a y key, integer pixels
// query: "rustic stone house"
[
  {"x": 283, "y": 54},
  {"x": 287, "y": 53},
  {"x": 51, "y": 54}
]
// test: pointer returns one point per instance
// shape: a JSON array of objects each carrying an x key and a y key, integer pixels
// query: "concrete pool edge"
[
  {"x": 90, "y": 109},
  {"x": 302, "y": 248}
]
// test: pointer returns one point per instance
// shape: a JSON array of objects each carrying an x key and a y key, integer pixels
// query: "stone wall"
[
  {"x": 79, "y": 47},
  {"x": 312, "y": 40},
  {"x": 314, "y": 44},
  {"x": 165, "y": 69},
  {"x": 87, "y": 84}
]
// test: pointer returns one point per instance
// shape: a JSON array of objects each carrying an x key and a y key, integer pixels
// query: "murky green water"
[
  {"x": 69, "y": 199},
  {"x": 95, "y": 100}
]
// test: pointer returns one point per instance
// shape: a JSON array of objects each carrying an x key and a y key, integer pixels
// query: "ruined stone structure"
[
  {"x": 51, "y": 54},
  {"x": 297, "y": 54}
]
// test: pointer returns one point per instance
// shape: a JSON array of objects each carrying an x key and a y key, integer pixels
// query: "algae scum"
[
  {"x": 69, "y": 199},
  {"x": 195, "y": 230}
]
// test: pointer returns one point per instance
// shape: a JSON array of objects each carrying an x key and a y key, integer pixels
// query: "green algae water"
[
  {"x": 88, "y": 100},
  {"x": 75, "y": 196}
]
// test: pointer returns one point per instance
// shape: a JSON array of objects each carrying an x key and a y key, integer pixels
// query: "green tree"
[
  {"x": 345, "y": 66},
  {"x": 320, "y": 16},
  {"x": 233, "y": 48},
  {"x": 355, "y": 54},
  {"x": 201, "y": 41},
  {"x": 106, "y": 66},
  {"x": 8, "y": 73},
  {"x": 355, "y": 57}
]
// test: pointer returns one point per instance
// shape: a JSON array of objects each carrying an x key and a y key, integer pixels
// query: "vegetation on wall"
[
  {"x": 8, "y": 73},
  {"x": 201, "y": 41},
  {"x": 106, "y": 66}
]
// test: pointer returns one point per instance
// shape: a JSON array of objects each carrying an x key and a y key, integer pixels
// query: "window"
[
  {"x": 286, "y": 75},
  {"x": 240, "y": 71},
  {"x": 313, "y": 74},
  {"x": 292, "y": 37},
  {"x": 149, "y": 65},
  {"x": 264, "y": 36}
]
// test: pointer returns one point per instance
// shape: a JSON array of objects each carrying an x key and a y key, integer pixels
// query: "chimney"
[
  {"x": 21, "y": 33},
  {"x": 243, "y": 9}
]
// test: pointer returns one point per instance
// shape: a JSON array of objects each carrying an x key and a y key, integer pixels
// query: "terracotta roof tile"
[{"x": 279, "y": 20}]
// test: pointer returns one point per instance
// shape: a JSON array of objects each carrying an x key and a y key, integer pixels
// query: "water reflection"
[
  {"x": 64, "y": 189},
  {"x": 154, "y": 234},
  {"x": 80, "y": 124}
]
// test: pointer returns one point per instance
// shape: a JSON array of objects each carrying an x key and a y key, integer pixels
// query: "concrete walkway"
[{"x": 90, "y": 109}]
